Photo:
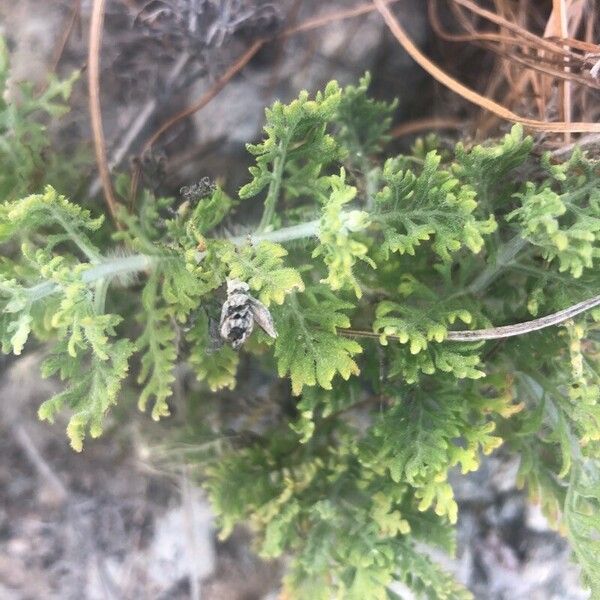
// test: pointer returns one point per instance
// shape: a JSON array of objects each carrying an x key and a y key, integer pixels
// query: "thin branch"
[
  {"x": 239, "y": 64},
  {"x": 553, "y": 64},
  {"x": 418, "y": 125},
  {"x": 476, "y": 36},
  {"x": 64, "y": 38},
  {"x": 549, "y": 68},
  {"x": 95, "y": 45},
  {"x": 541, "y": 43},
  {"x": 497, "y": 333},
  {"x": 559, "y": 12},
  {"x": 332, "y": 17}
]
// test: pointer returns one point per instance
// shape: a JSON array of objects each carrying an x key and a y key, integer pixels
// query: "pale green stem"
[
  {"x": 87, "y": 250},
  {"x": 107, "y": 269},
  {"x": 274, "y": 187},
  {"x": 101, "y": 289},
  {"x": 504, "y": 258},
  {"x": 110, "y": 268},
  {"x": 280, "y": 236}
]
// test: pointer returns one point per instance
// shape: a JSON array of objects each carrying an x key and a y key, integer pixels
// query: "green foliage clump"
[
  {"x": 309, "y": 347},
  {"x": 340, "y": 250},
  {"x": 348, "y": 476},
  {"x": 23, "y": 118},
  {"x": 561, "y": 217},
  {"x": 414, "y": 208}
]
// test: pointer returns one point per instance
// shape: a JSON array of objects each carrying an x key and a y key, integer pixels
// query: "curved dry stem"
[
  {"x": 95, "y": 110},
  {"x": 430, "y": 123},
  {"x": 498, "y": 333}
]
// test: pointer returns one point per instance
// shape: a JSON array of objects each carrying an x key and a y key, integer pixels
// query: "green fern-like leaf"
[
  {"x": 564, "y": 224},
  {"x": 309, "y": 348},
  {"x": 262, "y": 267},
  {"x": 338, "y": 249},
  {"x": 157, "y": 343},
  {"x": 218, "y": 367},
  {"x": 364, "y": 123},
  {"x": 92, "y": 389},
  {"x": 488, "y": 167},
  {"x": 38, "y": 211},
  {"x": 24, "y": 140},
  {"x": 412, "y": 209},
  {"x": 296, "y": 150},
  {"x": 428, "y": 579}
]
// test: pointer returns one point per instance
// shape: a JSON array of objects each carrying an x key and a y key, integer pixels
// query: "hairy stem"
[
  {"x": 116, "y": 267},
  {"x": 285, "y": 234},
  {"x": 109, "y": 268}
]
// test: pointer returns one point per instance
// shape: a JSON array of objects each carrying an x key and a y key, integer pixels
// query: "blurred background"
[{"x": 183, "y": 86}]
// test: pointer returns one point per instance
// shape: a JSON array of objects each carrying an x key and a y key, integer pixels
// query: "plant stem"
[
  {"x": 285, "y": 234},
  {"x": 89, "y": 251},
  {"x": 109, "y": 268},
  {"x": 274, "y": 187},
  {"x": 506, "y": 254},
  {"x": 497, "y": 333}
]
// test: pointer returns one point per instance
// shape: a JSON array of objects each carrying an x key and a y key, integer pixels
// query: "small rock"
[{"x": 182, "y": 544}]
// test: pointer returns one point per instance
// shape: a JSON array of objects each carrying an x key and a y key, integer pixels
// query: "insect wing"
[
  {"x": 223, "y": 322},
  {"x": 263, "y": 317}
]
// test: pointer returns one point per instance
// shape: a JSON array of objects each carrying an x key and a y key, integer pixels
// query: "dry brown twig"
[
  {"x": 418, "y": 125},
  {"x": 550, "y": 62},
  {"x": 532, "y": 65},
  {"x": 557, "y": 25},
  {"x": 66, "y": 34},
  {"x": 221, "y": 82},
  {"x": 469, "y": 94},
  {"x": 95, "y": 44}
]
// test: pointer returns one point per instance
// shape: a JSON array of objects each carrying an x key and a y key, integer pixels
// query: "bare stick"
[
  {"x": 497, "y": 333},
  {"x": 95, "y": 111}
]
